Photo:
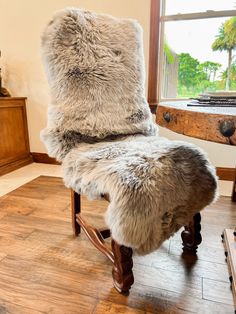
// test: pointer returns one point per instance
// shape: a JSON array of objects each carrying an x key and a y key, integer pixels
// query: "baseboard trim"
[
  {"x": 227, "y": 174},
  {"x": 43, "y": 158},
  {"x": 15, "y": 165}
]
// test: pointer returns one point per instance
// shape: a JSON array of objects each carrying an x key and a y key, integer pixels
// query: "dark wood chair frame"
[{"x": 120, "y": 255}]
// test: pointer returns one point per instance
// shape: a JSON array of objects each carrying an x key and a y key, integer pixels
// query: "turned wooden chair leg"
[
  {"x": 122, "y": 270},
  {"x": 191, "y": 236},
  {"x": 75, "y": 209},
  {"x": 119, "y": 255}
]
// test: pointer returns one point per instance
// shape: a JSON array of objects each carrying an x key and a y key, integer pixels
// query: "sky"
[
  {"x": 196, "y": 36},
  {"x": 190, "y": 6}
]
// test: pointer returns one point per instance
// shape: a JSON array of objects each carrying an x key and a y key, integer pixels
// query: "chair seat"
[{"x": 155, "y": 186}]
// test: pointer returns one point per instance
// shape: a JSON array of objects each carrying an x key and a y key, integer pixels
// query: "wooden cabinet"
[{"x": 14, "y": 143}]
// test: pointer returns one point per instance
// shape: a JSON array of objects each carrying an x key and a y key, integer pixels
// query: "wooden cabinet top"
[
  {"x": 11, "y": 98},
  {"x": 12, "y": 102}
]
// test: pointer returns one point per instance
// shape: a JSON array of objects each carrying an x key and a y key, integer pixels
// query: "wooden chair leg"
[
  {"x": 122, "y": 270},
  {"x": 75, "y": 209},
  {"x": 119, "y": 255},
  {"x": 191, "y": 236}
]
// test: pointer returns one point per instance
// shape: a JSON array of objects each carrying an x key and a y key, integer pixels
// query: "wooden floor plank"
[
  {"x": 32, "y": 223},
  {"x": 143, "y": 298},
  {"x": 43, "y": 298},
  {"x": 10, "y": 308},
  {"x": 105, "y": 307},
  {"x": 194, "y": 266},
  {"x": 217, "y": 291},
  {"x": 43, "y": 268},
  {"x": 211, "y": 252}
]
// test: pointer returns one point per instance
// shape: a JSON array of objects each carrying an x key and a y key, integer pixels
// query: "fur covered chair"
[{"x": 100, "y": 128}]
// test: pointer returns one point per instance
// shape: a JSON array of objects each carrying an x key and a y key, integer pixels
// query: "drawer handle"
[
  {"x": 227, "y": 128},
  {"x": 167, "y": 116}
]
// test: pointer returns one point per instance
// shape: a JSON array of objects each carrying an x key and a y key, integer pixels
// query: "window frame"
[{"x": 158, "y": 18}]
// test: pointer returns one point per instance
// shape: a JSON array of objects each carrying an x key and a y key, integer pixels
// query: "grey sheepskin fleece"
[
  {"x": 95, "y": 68},
  {"x": 101, "y": 129},
  {"x": 155, "y": 186}
]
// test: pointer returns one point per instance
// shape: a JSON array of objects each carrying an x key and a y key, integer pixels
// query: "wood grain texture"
[
  {"x": 43, "y": 158},
  {"x": 24, "y": 161},
  {"x": 14, "y": 149},
  {"x": 104, "y": 307},
  {"x": 217, "y": 291},
  {"x": 10, "y": 308},
  {"x": 230, "y": 248},
  {"x": 227, "y": 174},
  {"x": 45, "y": 269},
  {"x": 202, "y": 123}
]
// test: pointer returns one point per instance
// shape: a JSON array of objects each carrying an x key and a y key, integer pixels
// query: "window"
[{"x": 198, "y": 47}]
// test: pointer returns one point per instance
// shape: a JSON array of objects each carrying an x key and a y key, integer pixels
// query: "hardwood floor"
[{"x": 44, "y": 269}]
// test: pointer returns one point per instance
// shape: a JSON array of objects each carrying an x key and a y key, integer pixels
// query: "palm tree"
[
  {"x": 210, "y": 68},
  {"x": 226, "y": 41}
]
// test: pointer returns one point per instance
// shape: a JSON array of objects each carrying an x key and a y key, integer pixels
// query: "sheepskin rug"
[
  {"x": 95, "y": 68},
  {"x": 100, "y": 127}
]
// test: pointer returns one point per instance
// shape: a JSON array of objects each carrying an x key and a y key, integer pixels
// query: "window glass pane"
[
  {"x": 191, "y": 64},
  {"x": 191, "y": 6}
]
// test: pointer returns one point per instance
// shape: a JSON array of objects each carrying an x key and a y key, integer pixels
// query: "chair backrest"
[{"x": 95, "y": 68}]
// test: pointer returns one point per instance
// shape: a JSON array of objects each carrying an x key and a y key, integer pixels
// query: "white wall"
[
  {"x": 21, "y": 25},
  {"x": 220, "y": 155}
]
